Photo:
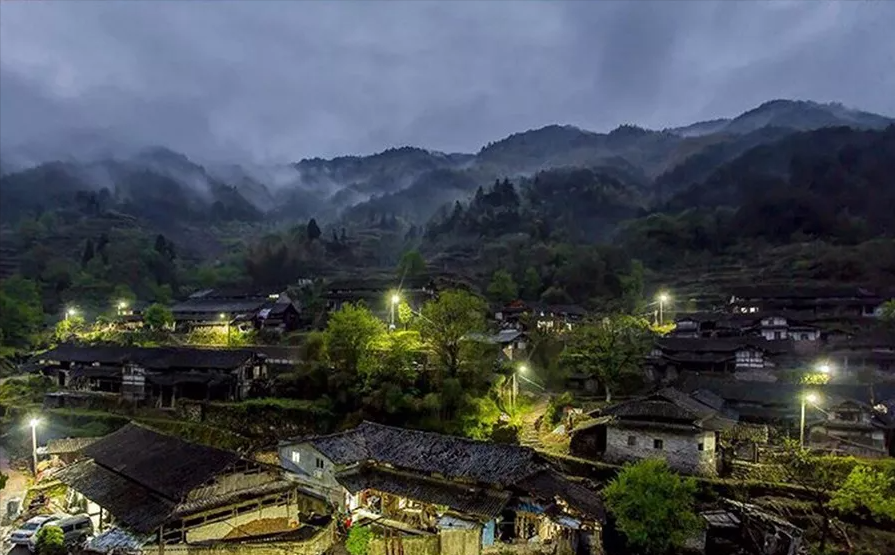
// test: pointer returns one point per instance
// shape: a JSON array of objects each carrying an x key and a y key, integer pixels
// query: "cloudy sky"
[{"x": 284, "y": 80}]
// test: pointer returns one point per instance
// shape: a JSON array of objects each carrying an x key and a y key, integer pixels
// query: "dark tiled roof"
[
  {"x": 159, "y": 358},
  {"x": 722, "y": 344},
  {"x": 771, "y": 292},
  {"x": 130, "y": 503},
  {"x": 68, "y": 445},
  {"x": 164, "y": 464},
  {"x": 471, "y": 500},
  {"x": 87, "y": 354},
  {"x": 673, "y": 405},
  {"x": 215, "y": 306},
  {"x": 452, "y": 457},
  {"x": 780, "y": 393},
  {"x": 547, "y": 484}
]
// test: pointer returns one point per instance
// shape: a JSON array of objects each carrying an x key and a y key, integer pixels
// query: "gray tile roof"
[{"x": 452, "y": 457}]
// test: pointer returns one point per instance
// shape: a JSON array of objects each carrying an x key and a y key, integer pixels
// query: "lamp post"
[
  {"x": 34, "y": 422},
  {"x": 70, "y": 313},
  {"x": 121, "y": 306},
  {"x": 807, "y": 398},
  {"x": 394, "y": 303},
  {"x": 227, "y": 322},
  {"x": 514, "y": 386},
  {"x": 663, "y": 298}
]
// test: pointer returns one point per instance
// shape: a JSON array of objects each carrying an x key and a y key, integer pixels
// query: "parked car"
[
  {"x": 29, "y": 530},
  {"x": 75, "y": 530}
]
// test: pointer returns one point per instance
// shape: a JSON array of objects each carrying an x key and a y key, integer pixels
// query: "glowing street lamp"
[
  {"x": 121, "y": 306},
  {"x": 824, "y": 368},
  {"x": 662, "y": 298},
  {"x": 34, "y": 423},
  {"x": 514, "y": 386},
  {"x": 227, "y": 321},
  {"x": 70, "y": 313},
  {"x": 808, "y": 398},
  {"x": 395, "y": 300}
]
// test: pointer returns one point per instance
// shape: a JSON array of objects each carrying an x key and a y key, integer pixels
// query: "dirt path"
[{"x": 16, "y": 485}]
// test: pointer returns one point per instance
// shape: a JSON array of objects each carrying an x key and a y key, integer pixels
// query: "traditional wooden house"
[
  {"x": 841, "y": 301},
  {"x": 376, "y": 294},
  {"x": 544, "y": 317},
  {"x": 168, "y": 492},
  {"x": 672, "y": 356},
  {"x": 779, "y": 403},
  {"x": 159, "y": 375},
  {"x": 683, "y": 429},
  {"x": 423, "y": 483},
  {"x": 868, "y": 355},
  {"x": 229, "y": 308},
  {"x": 853, "y": 427}
]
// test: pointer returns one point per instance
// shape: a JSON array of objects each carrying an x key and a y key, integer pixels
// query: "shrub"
[
  {"x": 50, "y": 541},
  {"x": 358, "y": 540}
]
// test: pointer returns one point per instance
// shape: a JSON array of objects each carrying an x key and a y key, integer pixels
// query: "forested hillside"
[{"x": 565, "y": 211}]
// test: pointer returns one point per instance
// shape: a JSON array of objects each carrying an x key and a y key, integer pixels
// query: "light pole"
[
  {"x": 807, "y": 398},
  {"x": 70, "y": 313},
  {"x": 121, "y": 306},
  {"x": 514, "y": 386},
  {"x": 663, "y": 298},
  {"x": 227, "y": 322},
  {"x": 394, "y": 303},
  {"x": 34, "y": 422}
]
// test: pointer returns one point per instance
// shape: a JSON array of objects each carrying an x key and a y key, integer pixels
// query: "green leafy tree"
[
  {"x": 817, "y": 477},
  {"x": 123, "y": 294},
  {"x": 69, "y": 328},
  {"x": 653, "y": 507},
  {"x": 21, "y": 313},
  {"x": 50, "y": 541},
  {"x": 358, "y": 541},
  {"x": 157, "y": 317},
  {"x": 531, "y": 284},
  {"x": 502, "y": 287},
  {"x": 446, "y": 323},
  {"x": 866, "y": 490},
  {"x": 888, "y": 312},
  {"x": 390, "y": 372},
  {"x": 411, "y": 264},
  {"x": 349, "y": 338},
  {"x": 88, "y": 253},
  {"x": 607, "y": 349},
  {"x": 313, "y": 230}
]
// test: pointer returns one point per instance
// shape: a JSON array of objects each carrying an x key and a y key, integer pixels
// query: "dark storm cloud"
[{"x": 283, "y": 80}]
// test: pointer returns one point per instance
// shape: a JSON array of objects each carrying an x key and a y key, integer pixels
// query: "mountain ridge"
[{"x": 411, "y": 181}]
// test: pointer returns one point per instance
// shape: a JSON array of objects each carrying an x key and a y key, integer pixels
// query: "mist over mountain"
[{"x": 163, "y": 187}]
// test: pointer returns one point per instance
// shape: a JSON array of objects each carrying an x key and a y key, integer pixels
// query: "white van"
[{"x": 75, "y": 530}]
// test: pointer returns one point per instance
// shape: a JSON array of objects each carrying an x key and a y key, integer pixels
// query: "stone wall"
[
  {"x": 680, "y": 449},
  {"x": 407, "y": 545}
]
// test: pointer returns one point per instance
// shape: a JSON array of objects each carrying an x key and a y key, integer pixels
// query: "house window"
[
  {"x": 658, "y": 444},
  {"x": 319, "y": 462},
  {"x": 804, "y": 337},
  {"x": 632, "y": 441},
  {"x": 778, "y": 335},
  {"x": 296, "y": 457},
  {"x": 701, "y": 446}
]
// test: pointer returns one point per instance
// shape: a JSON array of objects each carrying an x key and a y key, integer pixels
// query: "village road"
[{"x": 15, "y": 488}]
